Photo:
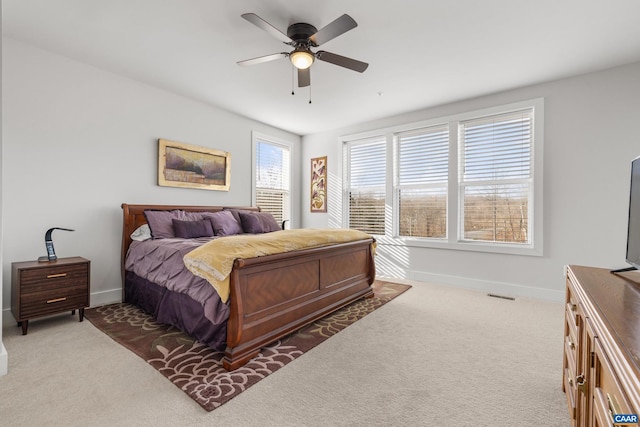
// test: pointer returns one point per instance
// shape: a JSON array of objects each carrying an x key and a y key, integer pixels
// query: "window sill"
[{"x": 498, "y": 248}]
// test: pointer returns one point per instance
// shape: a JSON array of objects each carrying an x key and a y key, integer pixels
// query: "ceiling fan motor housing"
[{"x": 300, "y": 33}]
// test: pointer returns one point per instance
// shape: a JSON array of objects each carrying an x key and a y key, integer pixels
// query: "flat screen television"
[{"x": 633, "y": 228}]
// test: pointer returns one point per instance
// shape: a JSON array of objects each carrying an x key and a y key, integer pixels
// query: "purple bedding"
[{"x": 157, "y": 281}]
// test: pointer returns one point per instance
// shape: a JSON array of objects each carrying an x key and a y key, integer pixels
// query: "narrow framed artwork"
[
  {"x": 319, "y": 184},
  {"x": 190, "y": 166}
]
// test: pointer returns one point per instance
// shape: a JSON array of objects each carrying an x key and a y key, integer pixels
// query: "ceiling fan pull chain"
[
  {"x": 293, "y": 72},
  {"x": 309, "y": 94}
]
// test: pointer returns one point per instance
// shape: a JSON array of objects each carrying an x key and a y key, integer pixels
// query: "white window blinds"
[
  {"x": 469, "y": 181},
  {"x": 421, "y": 184},
  {"x": 366, "y": 178},
  {"x": 496, "y": 177},
  {"x": 273, "y": 179}
]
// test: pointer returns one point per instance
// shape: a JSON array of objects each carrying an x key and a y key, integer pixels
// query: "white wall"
[
  {"x": 590, "y": 139},
  {"x": 80, "y": 141},
  {"x": 4, "y": 362}
]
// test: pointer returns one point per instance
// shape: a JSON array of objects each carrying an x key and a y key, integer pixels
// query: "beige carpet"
[
  {"x": 434, "y": 356},
  {"x": 197, "y": 369}
]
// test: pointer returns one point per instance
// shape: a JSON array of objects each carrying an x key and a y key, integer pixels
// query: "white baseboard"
[
  {"x": 4, "y": 360},
  {"x": 496, "y": 288},
  {"x": 106, "y": 297},
  {"x": 7, "y": 317}
]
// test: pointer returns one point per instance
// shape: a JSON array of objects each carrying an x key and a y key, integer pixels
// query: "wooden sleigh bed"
[{"x": 273, "y": 295}]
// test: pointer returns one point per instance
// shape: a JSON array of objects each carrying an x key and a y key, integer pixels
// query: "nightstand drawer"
[
  {"x": 41, "y": 279},
  {"x": 42, "y": 303}
]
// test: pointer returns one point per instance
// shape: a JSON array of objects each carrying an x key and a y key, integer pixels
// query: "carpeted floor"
[
  {"x": 197, "y": 370},
  {"x": 434, "y": 356}
]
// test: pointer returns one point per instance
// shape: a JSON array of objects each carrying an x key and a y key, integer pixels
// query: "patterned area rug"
[{"x": 197, "y": 370}]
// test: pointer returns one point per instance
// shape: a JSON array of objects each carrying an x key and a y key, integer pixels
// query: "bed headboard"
[{"x": 133, "y": 217}]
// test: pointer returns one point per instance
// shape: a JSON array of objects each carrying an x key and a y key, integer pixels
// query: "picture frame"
[
  {"x": 190, "y": 166},
  {"x": 318, "y": 194}
]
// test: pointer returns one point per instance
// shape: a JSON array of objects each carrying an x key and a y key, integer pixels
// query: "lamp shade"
[{"x": 302, "y": 59}]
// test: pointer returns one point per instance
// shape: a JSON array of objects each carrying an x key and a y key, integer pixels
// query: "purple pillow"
[
  {"x": 224, "y": 223},
  {"x": 160, "y": 222},
  {"x": 258, "y": 222},
  {"x": 235, "y": 213},
  {"x": 192, "y": 229}
]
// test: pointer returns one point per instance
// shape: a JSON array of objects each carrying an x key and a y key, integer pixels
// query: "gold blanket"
[{"x": 213, "y": 261}]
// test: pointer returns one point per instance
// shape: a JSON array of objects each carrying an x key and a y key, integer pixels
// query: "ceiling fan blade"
[
  {"x": 342, "y": 61},
  {"x": 304, "y": 77},
  {"x": 332, "y": 30},
  {"x": 261, "y": 59},
  {"x": 261, "y": 23}
]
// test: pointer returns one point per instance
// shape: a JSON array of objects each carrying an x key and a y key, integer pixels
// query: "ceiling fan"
[{"x": 302, "y": 37}]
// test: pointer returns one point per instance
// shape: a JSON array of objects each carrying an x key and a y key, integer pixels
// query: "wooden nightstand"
[{"x": 44, "y": 288}]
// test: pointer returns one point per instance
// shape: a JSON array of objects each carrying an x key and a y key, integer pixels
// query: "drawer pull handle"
[
  {"x": 573, "y": 307},
  {"x": 572, "y": 345},
  {"x": 53, "y": 276},
  {"x": 569, "y": 379},
  {"x": 56, "y": 300},
  {"x": 581, "y": 383}
]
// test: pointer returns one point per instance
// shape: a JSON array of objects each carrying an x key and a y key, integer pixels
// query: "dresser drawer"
[
  {"x": 608, "y": 397},
  {"x": 572, "y": 299},
  {"x": 572, "y": 393},
  {"x": 571, "y": 337}
]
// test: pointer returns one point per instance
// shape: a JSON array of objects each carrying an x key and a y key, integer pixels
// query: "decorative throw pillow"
[
  {"x": 258, "y": 222},
  {"x": 141, "y": 233},
  {"x": 224, "y": 223},
  {"x": 235, "y": 213},
  {"x": 160, "y": 222},
  {"x": 192, "y": 229}
]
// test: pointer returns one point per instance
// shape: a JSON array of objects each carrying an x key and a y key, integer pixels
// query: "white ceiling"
[{"x": 421, "y": 53}]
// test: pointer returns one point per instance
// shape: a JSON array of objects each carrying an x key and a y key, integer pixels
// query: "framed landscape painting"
[
  {"x": 319, "y": 184},
  {"x": 190, "y": 166}
]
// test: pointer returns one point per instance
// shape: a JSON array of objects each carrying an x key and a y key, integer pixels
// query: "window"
[
  {"x": 495, "y": 182},
  {"x": 471, "y": 181},
  {"x": 272, "y": 177},
  {"x": 365, "y": 184},
  {"x": 422, "y": 173}
]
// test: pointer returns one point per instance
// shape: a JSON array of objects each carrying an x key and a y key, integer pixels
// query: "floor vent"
[{"x": 501, "y": 296}]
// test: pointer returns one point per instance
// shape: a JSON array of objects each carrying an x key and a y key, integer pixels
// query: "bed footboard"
[{"x": 277, "y": 294}]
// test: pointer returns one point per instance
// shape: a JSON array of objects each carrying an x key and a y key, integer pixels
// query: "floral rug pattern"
[{"x": 197, "y": 369}]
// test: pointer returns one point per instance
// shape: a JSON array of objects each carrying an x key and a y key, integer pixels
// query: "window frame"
[
  {"x": 455, "y": 238},
  {"x": 346, "y": 190},
  {"x": 257, "y": 137},
  {"x": 482, "y": 181},
  {"x": 398, "y": 186}
]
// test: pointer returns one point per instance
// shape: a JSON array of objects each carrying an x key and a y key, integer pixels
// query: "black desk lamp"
[{"x": 51, "y": 253}]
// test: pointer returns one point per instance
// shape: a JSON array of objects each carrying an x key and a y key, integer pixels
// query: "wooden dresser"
[
  {"x": 601, "y": 360},
  {"x": 44, "y": 288}
]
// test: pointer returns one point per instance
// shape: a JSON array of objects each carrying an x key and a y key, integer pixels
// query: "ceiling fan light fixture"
[{"x": 302, "y": 58}]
